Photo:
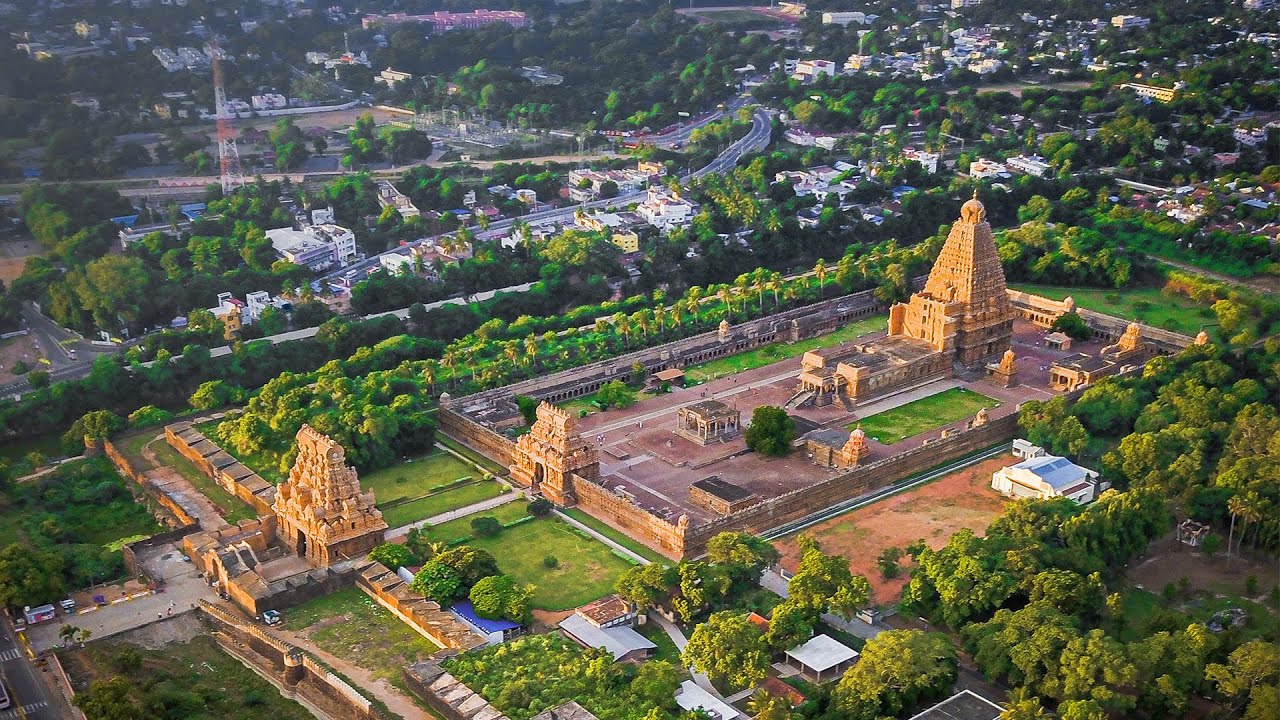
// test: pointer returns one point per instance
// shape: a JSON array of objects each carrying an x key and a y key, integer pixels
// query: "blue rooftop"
[
  {"x": 468, "y": 613},
  {"x": 126, "y": 220},
  {"x": 1059, "y": 472}
]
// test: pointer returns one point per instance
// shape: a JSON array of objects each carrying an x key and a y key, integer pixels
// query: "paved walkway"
[
  {"x": 681, "y": 641},
  {"x": 461, "y": 512},
  {"x": 771, "y": 580},
  {"x": 604, "y": 539}
]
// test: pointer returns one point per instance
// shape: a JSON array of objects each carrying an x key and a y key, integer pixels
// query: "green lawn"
[
  {"x": 925, "y": 414},
  {"x": 1142, "y": 606},
  {"x": 586, "y": 570},
  {"x": 1146, "y": 304},
  {"x": 361, "y": 631},
  {"x": 666, "y": 646},
  {"x": 599, "y": 526},
  {"x": 769, "y": 354},
  {"x": 422, "y": 508},
  {"x": 234, "y": 509},
  {"x": 416, "y": 477},
  {"x": 460, "y": 528},
  {"x": 50, "y": 446},
  {"x": 471, "y": 455}
]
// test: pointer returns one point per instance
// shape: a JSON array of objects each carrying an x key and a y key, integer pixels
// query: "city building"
[
  {"x": 982, "y": 168},
  {"x": 268, "y": 101},
  {"x": 1259, "y": 5},
  {"x": 927, "y": 160},
  {"x": 389, "y": 196},
  {"x": 964, "y": 705},
  {"x": 230, "y": 312},
  {"x": 692, "y": 698},
  {"x": 811, "y": 70},
  {"x": 1155, "y": 92},
  {"x": 1130, "y": 22},
  {"x": 538, "y": 76},
  {"x": 844, "y": 19},
  {"x": 1030, "y": 165},
  {"x": 87, "y": 30},
  {"x": 822, "y": 658},
  {"x": 318, "y": 247},
  {"x": 665, "y": 210},
  {"x": 958, "y": 4},
  {"x": 391, "y": 78},
  {"x": 441, "y": 21},
  {"x": 608, "y": 623},
  {"x": 1044, "y": 477}
]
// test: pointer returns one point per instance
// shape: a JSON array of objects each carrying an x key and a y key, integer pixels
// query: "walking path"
[
  {"x": 681, "y": 641},
  {"x": 461, "y": 512},
  {"x": 604, "y": 539}
]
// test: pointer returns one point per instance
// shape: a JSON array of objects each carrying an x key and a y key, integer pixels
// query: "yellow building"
[{"x": 628, "y": 242}]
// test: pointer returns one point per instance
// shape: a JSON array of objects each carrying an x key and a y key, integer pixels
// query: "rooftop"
[
  {"x": 691, "y": 697},
  {"x": 1058, "y": 472},
  {"x": 466, "y": 612},
  {"x": 722, "y": 489},
  {"x": 964, "y": 705},
  {"x": 822, "y": 653},
  {"x": 618, "y": 641},
  {"x": 605, "y": 610}
]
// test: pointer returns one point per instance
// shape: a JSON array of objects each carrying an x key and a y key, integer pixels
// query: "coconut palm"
[{"x": 820, "y": 269}]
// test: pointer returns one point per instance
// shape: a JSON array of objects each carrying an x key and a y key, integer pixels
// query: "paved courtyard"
[
  {"x": 182, "y": 588},
  {"x": 641, "y": 454}
]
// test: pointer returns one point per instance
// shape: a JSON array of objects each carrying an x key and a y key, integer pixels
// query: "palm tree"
[
  {"x": 601, "y": 326},
  {"x": 693, "y": 296},
  {"x": 512, "y": 351},
  {"x": 450, "y": 361},
  {"x": 820, "y": 269},
  {"x": 429, "y": 376},
  {"x": 531, "y": 348},
  {"x": 726, "y": 297},
  {"x": 775, "y": 285},
  {"x": 644, "y": 321},
  {"x": 660, "y": 317},
  {"x": 622, "y": 324}
]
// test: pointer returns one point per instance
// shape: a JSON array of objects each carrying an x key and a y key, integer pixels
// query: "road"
[
  {"x": 31, "y": 698},
  {"x": 70, "y": 356},
  {"x": 755, "y": 140}
]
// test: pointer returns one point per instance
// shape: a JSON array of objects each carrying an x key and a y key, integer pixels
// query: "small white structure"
[
  {"x": 822, "y": 658},
  {"x": 964, "y": 704},
  {"x": 1025, "y": 450},
  {"x": 322, "y": 216},
  {"x": 1044, "y": 477},
  {"x": 690, "y": 697}
]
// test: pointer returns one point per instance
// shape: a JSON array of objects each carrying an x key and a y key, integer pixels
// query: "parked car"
[{"x": 271, "y": 617}]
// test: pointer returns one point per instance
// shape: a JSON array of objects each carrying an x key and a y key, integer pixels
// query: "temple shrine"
[{"x": 548, "y": 456}]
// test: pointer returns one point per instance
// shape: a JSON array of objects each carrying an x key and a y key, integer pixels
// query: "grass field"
[
  {"x": 586, "y": 569},
  {"x": 666, "y": 646},
  {"x": 638, "y": 548},
  {"x": 923, "y": 415},
  {"x": 460, "y": 528},
  {"x": 769, "y": 354},
  {"x": 234, "y": 509},
  {"x": 471, "y": 455},
  {"x": 349, "y": 624},
  {"x": 418, "y": 477},
  {"x": 1147, "y": 305},
  {"x": 740, "y": 19},
  {"x": 195, "y": 679}
]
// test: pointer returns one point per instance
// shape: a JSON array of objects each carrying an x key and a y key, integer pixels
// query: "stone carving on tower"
[
  {"x": 855, "y": 449},
  {"x": 321, "y": 512},
  {"x": 964, "y": 309},
  {"x": 551, "y": 452}
]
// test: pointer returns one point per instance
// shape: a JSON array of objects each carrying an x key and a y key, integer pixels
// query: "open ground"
[
  {"x": 932, "y": 512},
  {"x": 925, "y": 414},
  {"x": 13, "y": 257},
  {"x": 1168, "y": 561},
  {"x": 19, "y": 349},
  {"x": 427, "y": 486},
  {"x": 148, "y": 450},
  {"x": 1144, "y": 304}
]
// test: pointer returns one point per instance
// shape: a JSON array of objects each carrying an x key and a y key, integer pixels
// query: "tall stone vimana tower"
[{"x": 964, "y": 309}]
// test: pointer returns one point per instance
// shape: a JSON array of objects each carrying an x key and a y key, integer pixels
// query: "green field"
[
  {"x": 586, "y": 570},
  {"x": 417, "y": 478},
  {"x": 361, "y": 631},
  {"x": 471, "y": 455},
  {"x": 461, "y": 528},
  {"x": 923, "y": 415},
  {"x": 769, "y": 354},
  {"x": 740, "y": 19},
  {"x": 1147, "y": 305},
  {"x": 638, "y": 548},
  {"x": 195, "y": 680}
]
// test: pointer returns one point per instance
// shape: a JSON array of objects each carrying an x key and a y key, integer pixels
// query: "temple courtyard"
[{"x": 646, "y": 454}]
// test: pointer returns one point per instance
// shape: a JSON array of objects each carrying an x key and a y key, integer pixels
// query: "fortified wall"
[
  {"x": 298, "y": 675},
  {"x": 232, "y": 475},
  {"x": 427, "y": 617},
  {"x": 170, "y": 509}
]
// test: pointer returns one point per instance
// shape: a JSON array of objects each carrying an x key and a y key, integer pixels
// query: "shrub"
[
  {"x": 486, "y": 526},
  {"x": 771, "y": 431},
  {"x": 20, "y": 367},
  {"x": 149, "y": 415},
  {"x": 540, "y": 507},
  {"x": 550, "y": 561},
  {"x": 1073, "y": 325},
  {"x": 393, "y": 555}
]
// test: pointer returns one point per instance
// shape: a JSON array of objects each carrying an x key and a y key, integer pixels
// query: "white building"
[
  {"x": 268, "y": 101},
  {"x": 957, "y": 4},
  {"x": 690, "y": 697},
  {"x": 255, "y": 303},
  {"x": 665, "y": 211},
  {"x": 322, "y": 216},
  {"x": 843, "y": 19},
  {"x": 810, "y": 70},
  {"x": 1250, "y": 137},
  {"x": 983, "y": 168},
  {"x": 927, "y": 160},
  {"x": 1129, "y": 22},
  {"x": 318, "y": 247},
  {"x": 1045, "y": 477},
  {"x": 1032, "y": 165},
  {"x": 389, "y": 196},
  {"x": 1259, "y": 5},
  {"x": 391, "y": 78}
]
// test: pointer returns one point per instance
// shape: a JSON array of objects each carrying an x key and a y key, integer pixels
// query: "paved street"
[{"x": 30, "y": 697}]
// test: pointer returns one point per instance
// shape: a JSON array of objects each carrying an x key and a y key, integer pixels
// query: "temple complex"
[
  {"x": 551, "y": 452},
  {"x": 1082, "y": 370},
  {"x": 963, "y": 315},
  {"x": 1005, "y": 372},
  {"x": 322, "y": 513},
  {"x": 707, "y": 422}
]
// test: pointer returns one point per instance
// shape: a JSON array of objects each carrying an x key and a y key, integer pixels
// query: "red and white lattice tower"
[{"x": 228, "y": 152}]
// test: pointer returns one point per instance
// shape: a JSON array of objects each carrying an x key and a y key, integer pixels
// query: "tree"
[
  {"x": 615, "y": 393},
  {"x": 764, "y": 706},
  {"x": 498, "y": 596},
  {"x": 1037, "y": 209},
  {"x": 897, "y": 669},
  {"x": 645, "y": 585},
  {"x": 1073, "y": 325},
  {"x": 1095, "y": 668},
  {"x": 824, "y": 583},
  {"x": 93, "y": 425},
  {"x": 215, "y": 393},
  {"x": 743, "y": 555},
  {"x": 109, "y": 700},
  {"x": 771, "y": 431},
  {"x": 1249, "y": 676},
  {"x": 528, "y": 407},
  {"x": 790, "y": 624},
  {"x": 540, "y": 507},
  {"x": 393, "y": 556},
  {"x": 438, "y": 582},
  {"x": 729, "y": 648},
  {"x": 486, "y": 526},
  {"x": 471, "y": 563},
  {"x": 30, "y": 576}
]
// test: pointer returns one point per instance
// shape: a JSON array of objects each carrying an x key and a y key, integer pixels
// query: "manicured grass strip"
[
  {"x": 416, "y": 477},
  {"x": 634, "y": 546},
  {"x": 666, "y": 646},
  {"x": 769, "y": 354},
  {"x": 586, "y": 570},
  {"x": 1145, "y": 304},
  {"x": 426, "y": 507},
  {"x": 471, "y": 455},
  {"x": 923, "y": 415},
  {"x": 234, "y": 508}
]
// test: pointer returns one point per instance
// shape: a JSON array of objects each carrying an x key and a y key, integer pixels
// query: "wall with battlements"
[{"x": 221, "y": 467}]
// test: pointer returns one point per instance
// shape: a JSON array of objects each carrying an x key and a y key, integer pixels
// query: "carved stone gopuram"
[
  {"x": 322, "y": 514},
  {"x": 964, "y": 309},
  {"x": 551, "y": 452}
]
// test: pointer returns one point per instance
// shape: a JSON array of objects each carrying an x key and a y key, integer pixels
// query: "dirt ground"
[
  {"x": 1167, "y": 561},
  {"x": 963, "y": 499},
  {"x": 22, "y": 347},
  {"x": 13, "y": 257}
]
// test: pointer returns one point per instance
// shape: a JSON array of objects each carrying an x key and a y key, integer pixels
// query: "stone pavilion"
[{"x": 708, "y": 421}]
